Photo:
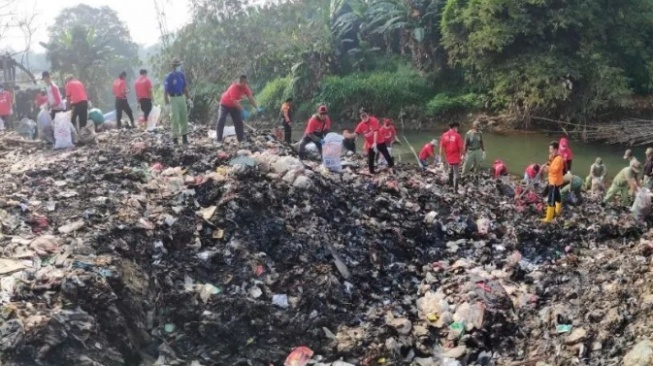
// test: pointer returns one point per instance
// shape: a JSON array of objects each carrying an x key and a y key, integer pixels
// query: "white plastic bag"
[
  {"x": 153, "y": 118},
  {"x": 63, "y": 131},
  {"x": 111, "y": 116},
  {"x": 642, "y": 205},
  {"x": 2, "y": 124},
  {"x": 331, "y": 152}
]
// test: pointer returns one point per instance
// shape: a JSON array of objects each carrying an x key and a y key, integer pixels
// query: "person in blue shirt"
[{"x": 176, "y": 95}]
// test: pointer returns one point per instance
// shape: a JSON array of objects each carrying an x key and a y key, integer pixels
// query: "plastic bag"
[
  {"x": 331, "y": 152},
  {"x": 2, "y": 124},
  {"x": 63, "y": 131},
  {"x": 26, "y": 129},
  {"x": 43, "y": 118},
  {"x": 153, "y": 118},
  {"x": 642, "y": 205},
  {"x": 111, "y": 116}
]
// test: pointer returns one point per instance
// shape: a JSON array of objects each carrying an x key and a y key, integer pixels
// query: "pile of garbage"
[{"x": 133, "y": 251}]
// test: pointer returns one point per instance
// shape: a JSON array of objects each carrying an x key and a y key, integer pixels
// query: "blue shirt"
[{"x": 175, "y": 83}]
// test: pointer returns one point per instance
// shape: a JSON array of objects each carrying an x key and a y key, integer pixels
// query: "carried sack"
[
  {"x": 331, "y": 152},
  {"x": 642, "y": 206}
]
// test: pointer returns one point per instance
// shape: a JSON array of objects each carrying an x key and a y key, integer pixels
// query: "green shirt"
[
  {"x": 624, "y": 176},
  {"x": 575, "y": 185},
  {"x": 96, "y": 116},
  {"x": 597, "y": 170},
  {"x": 473, "y": 139}
]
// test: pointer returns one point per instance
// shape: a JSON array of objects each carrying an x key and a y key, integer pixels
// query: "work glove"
[
  {"x": 484, "y": 155},
  {"x": 190, "y": 103},
  {"x": 245, "y": 115},
  {"x": 322, "y": 142},
  {"x": 260, "y": 109}
]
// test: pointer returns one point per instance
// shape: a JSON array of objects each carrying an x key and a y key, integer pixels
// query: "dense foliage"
[
  {"x": 94, "y": 45},
  {"x": 568, "y": 59}
]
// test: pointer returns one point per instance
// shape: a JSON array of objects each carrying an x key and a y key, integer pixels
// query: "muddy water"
[{"x": 519, "y": 150}]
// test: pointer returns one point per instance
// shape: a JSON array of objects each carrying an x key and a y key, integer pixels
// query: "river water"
[{"x": 518, "y": 150}]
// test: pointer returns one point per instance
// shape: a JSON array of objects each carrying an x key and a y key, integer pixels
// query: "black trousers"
[
  {"x": 287, "y": 131},
  {"x": 146, "y": 107},
  {"x": 371, "y": 156},
  {"x": 349, "y": 144},
  {"x": 554, "y": 195},
  {"x": 123, "y": 105},
  {"x": 80, "y": 110},
  {"x": 316, "y": 139},
  {"x": 236, "y": 116}
]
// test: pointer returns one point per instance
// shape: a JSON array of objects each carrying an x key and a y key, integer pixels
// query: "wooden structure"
[{"x": 9, "y": 66}]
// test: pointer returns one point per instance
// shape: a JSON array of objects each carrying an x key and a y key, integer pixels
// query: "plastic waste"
[
  {"x": 280, "y": 301},
  {"x": 111, "y": 116},
  {"x": 299, "y": 356},
  {"x": 2, "y": 124},
  {"x": 27, "y": 129},
  {"x": 153, "y": 118},
  {"x": 642, "y": 205},
  {"x": 331, "y": 152},
  {"x": 63, "y": 131}
]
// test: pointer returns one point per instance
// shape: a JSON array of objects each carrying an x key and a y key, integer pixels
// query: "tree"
[
  {"x": 94, "y": 45},
  {"x": 574, "y": 57}
]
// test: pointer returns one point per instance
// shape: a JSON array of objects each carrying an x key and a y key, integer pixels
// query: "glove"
[
  {"x": 322, "y": 142},
  {"x": 260, "y": 109},
  {"x": 484, "y": 155},
  {"x": 190, "y": 103},
  {"x": 245, "y": 114}
]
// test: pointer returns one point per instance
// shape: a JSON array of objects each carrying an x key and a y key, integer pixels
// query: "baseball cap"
[{"x": 322, "y": 109}]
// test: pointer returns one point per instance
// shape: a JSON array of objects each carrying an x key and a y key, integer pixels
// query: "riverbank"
[{"x": 135, "y": 252}]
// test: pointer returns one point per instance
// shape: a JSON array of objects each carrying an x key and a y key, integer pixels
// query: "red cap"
[
  {"x": 322, "y": 109},
  {"x": 387, "y": 120}
]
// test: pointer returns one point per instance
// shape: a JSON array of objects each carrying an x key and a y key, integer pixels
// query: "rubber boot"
[
  {"x": 184, "y": 139},
  {"x": 558, "y": 208},
  {"x": 175, "y": 141},
  {"x": 550, "y": 212}
]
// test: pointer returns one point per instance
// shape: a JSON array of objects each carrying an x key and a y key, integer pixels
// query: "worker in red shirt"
[
  {"x": 428, "y": 152},
  {"x": 55, "y": 102},
  {"x": 5, "y": 107},
  {"x": 78, "y": 101},
  {"x": 318, "y": 126},
  {"x": 566, "y": 153},
  {"x": 499, "y": 169},
  {"x": 451, "y": 145},
  {"x": 230, "y": 105},
  {"x": 120, "y": 92},
  {"x": 369, "y": 129},
  {"x": 388, "y": 133},
  {"x": 143, "y": 89}
]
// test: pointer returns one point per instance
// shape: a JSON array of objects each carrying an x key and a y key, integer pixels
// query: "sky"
[{"x": 139, "y": 16}]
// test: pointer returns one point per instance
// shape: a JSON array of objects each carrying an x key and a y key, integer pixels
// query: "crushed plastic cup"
[{"x": 563, "y": 328}]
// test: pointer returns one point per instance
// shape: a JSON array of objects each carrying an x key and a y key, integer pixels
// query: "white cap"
[{"x": 434, "y": 142}]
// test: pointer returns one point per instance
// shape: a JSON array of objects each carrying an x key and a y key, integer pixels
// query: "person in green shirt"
[
  {"x": 474, "y": 149},
  {"x": 571, "y": 189},
  {"x": 95, "y": 115},
  {"x": 597, "y": 172},
  {"x": 624, "y": 183}
]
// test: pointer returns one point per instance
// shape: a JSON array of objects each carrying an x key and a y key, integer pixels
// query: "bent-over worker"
[
  {"x": 624, "y": 183},
  {"x": 318, "y": 126}
]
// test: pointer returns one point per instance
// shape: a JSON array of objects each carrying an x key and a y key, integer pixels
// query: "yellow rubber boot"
[
  {"x": 558, "y": 209},
  {"x": 550, "y": 212}
]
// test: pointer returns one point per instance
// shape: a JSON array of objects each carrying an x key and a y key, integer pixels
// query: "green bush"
[
  {"x": 447, "y": 103},
  {"x": 384, "y": 93},
  {"x": 274, "y": 93}
]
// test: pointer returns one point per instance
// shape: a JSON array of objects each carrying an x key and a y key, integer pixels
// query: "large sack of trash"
[
  {"x": 331, "y": 152},
  {"x": 44, "y": 126},
  {"x": 642, "y": 205},
  {"x": 63, "y": 131}
]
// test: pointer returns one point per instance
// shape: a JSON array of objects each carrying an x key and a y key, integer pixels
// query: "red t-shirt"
[
  {"x": 143, "y": 88},
  {"x": 499, "y": 169},
  {"x": 76, "y": 92},
  {"x": 120, "y": 88},
  {"x": 367, "y": 129},
  {"x": 428, "y": 151},
  {"x": 530, "y": 171},
  {"x": 5, "y": 103},
  {"x": 234, "y": 94},
  {"x": 316, "y": 125},
  {"x": 41, "y": 100},
  {"x": 388, "y": 133},
  {"x": 452, "y": 145}
]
